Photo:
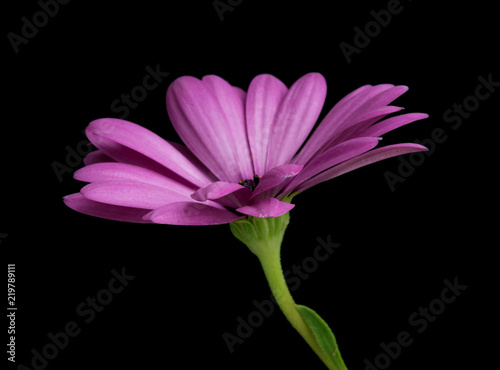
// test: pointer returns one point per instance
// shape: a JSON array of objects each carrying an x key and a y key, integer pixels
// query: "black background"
[{"x": 192, "y": 283}]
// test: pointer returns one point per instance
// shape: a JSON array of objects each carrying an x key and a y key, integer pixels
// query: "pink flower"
[{"x": 241, "y": 155}]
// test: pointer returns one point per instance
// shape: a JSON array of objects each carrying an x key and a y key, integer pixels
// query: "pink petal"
[
  {"x": 97, "y": 156},
  {"x": 295, "y": 118},
  {"x": 124, "y": 214},
  {"x": 224, "y": 193},
  {"x": 268, "y": 207},
  {"x": 334, "y": 122},
  {"x": 187, "y": 213},
  {"x": 130, "y": 143},
  {"x": 101, "y": 172},
  {"x": 393, "y": 123},
  {"x": 209, "y": 117},
  {"x": 357, "y": 128},
  {"x": 373, "y": 156},
  {"x": 275, "y": 177},
  {"x": 338, "y": 154},
  {"x": 265, "y": 95},
  {"x": 377, "y": 101},
  {"x": 188, "y": 154},
  {"x": 242, "y": 94},
  {"x": 131, "y": 194},
  {"x": 360, "y": 91},
  {"x": 217, "y": 190},
  {"x": 231, "y": 100}
]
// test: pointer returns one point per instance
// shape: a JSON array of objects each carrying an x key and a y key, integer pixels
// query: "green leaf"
[{"x": 323, "y": 335}]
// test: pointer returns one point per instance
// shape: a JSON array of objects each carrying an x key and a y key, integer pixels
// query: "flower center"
[{"x": 251, "y": 184}]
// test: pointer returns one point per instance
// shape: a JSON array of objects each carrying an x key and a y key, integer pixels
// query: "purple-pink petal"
[
  {"x": 375, "y": 102},
  {"x": 80, "y": 204},
  {"x": 101, "y": 172},
  {"x": 242, "y": 94},
  {"x": 130, "y": 143},
  {"x": 131, "y": 194},
  {"x": 97, "y": 156},
  {"x": 264, "y": 97},
  {"x": 188, "y": 154},
  {"x": 393, "y": 123},
  {"x": 218, "y": 190},
  {"x": 268, "y": 207},
  {"x": 188, "y": 213},
  {"x": 347, "y": 113},
  {"x": 275, "y": 177},
  {"x": 295, "y": 118},
  {"x": 209, "y": 117},
  {"x": 338, "y": 154},
  {"x": 233, "y": 106},
  {"x": 373, "y": 156},
  {"x": 358, "y": 127},
  {"x": 379, "y": 100}
]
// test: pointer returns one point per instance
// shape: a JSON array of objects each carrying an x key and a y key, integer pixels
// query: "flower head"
[{"x": 245, "y": 153}]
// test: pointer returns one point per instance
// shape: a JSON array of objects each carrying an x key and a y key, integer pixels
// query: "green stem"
[
  {"x": 263, "y": 237},
  {"x": 271, "y": 264}
]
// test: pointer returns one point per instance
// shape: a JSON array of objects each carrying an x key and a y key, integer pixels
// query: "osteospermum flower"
[
  {"x": 245, "y": 158},
  {"x": 241, "y": 155}
]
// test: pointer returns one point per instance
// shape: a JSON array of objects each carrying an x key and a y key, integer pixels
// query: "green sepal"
[
  {"x": 323, "y": 335},
  {"x": 261, "y": 235}
]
